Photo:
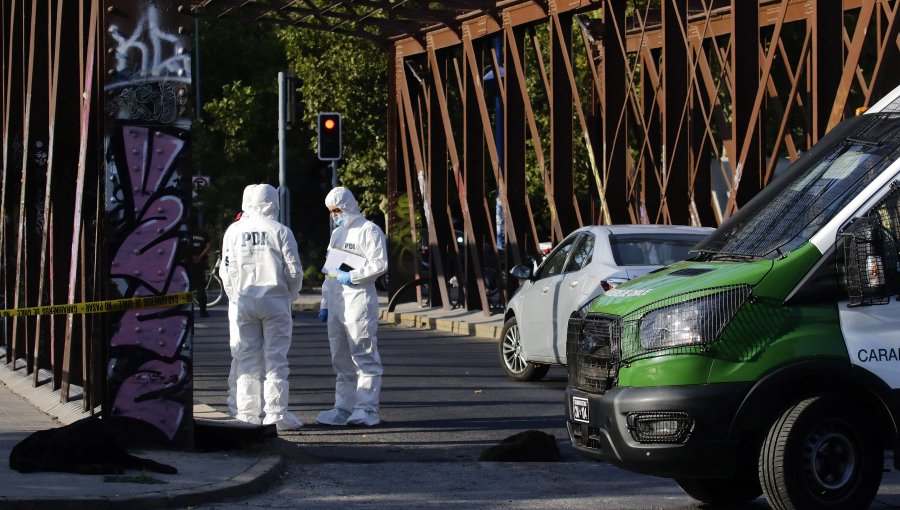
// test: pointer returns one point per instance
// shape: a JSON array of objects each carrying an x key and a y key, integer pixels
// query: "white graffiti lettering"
[{"x": 148, "y": 41}]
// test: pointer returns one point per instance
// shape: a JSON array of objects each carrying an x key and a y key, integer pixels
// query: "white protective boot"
[
  {"x": 364, "y": 418},
  {"x": 335, "y": 417},
  {"x": 287, "y": 421},
  {"x": 248, "y": 418}
]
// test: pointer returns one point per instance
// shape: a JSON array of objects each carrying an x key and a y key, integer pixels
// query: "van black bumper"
[{"x": 705, "y": 450}]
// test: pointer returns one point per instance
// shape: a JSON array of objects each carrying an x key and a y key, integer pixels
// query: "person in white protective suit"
[
  {"x": 233, "y": 332},
  {"x": 350, "y": 307},
  {"x": 261, "y": 273}
]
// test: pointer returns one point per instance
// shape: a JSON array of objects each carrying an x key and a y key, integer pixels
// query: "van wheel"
[
  {"x": 821, "y": 454},
  {"x": 722, "y": 491},
  {"x": 512, "y": 358}
]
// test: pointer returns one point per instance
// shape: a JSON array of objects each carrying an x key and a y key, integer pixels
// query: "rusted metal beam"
[
  {"x": 462, "y": 190},
  {"x": 514, "y": 14},
  {"x": 406, "y": 112},
  {"x": 413, "y": 254},
  {"x": 613, "y": 195},
  {"x": 561, "y": 161},
  {"x": 394, "y": 66},
  {"x": 827, "y": 54},
  {"x": 675, "y": 138},
  {"x": 747, "y": 100},
  {"x": 851, "y": 63},
  {"x": 442, "y": 241},
  {"x": 887, "y": 64},
  {"x": 90, "y": 54},
  {"x": 534, "y": 134},
  {"x": 514, "y": 162},
  {"x": 14, "y": 37},
  {"x": 474, "y": 176},
  {"x": 43, "y": 340}
]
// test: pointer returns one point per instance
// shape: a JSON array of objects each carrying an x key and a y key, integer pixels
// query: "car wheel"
[
  {"x": 512, "y": 358},
  {"x": 822, "y": 453}
]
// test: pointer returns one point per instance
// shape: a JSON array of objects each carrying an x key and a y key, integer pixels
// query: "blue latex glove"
[
  {"x": 342, "y": 276},
  {"x": 323, "y": 315}
]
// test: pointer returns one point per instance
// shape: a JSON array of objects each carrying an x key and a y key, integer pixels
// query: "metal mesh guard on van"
[
  {"x": 870, "y": 253},
  {"x": 598, "y": 344},
  {"x": 592, "y": 352}
]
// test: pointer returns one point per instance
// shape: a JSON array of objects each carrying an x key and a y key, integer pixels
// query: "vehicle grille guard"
[{"x": 597, "y": 344}]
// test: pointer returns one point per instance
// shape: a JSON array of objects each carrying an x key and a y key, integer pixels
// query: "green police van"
[{"x": 770, "y": 361}]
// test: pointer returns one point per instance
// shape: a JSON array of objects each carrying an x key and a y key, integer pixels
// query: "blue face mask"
[{"x": 339, "y": 220}]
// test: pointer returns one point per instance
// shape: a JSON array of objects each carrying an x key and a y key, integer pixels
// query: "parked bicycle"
[{"x": 215, "y": 291}]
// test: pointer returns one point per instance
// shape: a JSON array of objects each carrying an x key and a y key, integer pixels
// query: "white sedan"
[{"x": 586, "y": 263}]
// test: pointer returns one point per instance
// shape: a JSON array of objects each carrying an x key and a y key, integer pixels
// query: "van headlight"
[{"x": 697, "y": 321}]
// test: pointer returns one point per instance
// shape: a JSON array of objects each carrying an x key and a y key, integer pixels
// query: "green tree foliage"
[
  {"x": 234, "y": 140},
  {"x": 236, "y": 134},
  {"x": 347, "y": 75}
]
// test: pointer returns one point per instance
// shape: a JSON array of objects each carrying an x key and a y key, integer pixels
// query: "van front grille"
[{"x": 592, "y": 352}]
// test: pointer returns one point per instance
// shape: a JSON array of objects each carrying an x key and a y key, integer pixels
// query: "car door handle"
[
  {"x": 545, "y": 290},
  {"x": 573, "y": 284}
]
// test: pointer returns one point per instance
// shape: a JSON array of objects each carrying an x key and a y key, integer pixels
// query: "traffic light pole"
[
  {"x": 284, "y": 196},
  {"x": 334, "y": 183}
]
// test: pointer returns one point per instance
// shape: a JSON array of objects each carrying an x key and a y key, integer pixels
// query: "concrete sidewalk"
[{"x": 202, "y": 477}]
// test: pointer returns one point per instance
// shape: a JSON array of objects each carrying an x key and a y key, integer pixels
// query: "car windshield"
[
  {"x": 792, "y": 209},
  {"x": 655, "y": 250}
]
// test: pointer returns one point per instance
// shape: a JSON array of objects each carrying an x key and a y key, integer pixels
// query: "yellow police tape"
[{"x": 114, "y": 305}]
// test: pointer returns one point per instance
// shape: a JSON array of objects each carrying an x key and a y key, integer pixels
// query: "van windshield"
[{"x": 786, "y": 214}]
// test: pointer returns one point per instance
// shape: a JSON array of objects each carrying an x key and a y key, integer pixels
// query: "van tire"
[
  {"x": 511, "y": 358},
  {"x": 822, "y": 453},
  {"x": 721, "y": 491}
]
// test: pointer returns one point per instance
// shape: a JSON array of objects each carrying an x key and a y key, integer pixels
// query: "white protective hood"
[
  {"x": 261, "y": 200},
  {"x": 341, "y": 198}
]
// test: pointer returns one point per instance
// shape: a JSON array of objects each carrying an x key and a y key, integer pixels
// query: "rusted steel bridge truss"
[{"x": 615, "y": 112}]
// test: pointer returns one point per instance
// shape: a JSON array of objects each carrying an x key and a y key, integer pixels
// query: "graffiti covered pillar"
[{"x": 146, "y": 140}]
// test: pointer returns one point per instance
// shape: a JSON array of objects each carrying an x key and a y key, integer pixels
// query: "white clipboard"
[{"x": 338, "y": 258}]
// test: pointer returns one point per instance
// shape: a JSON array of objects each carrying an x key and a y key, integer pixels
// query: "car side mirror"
[
  {"x": 521, "y": 272},
  {"x": 870, "y": 263}
]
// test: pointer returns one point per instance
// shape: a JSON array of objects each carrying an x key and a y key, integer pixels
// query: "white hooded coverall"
[
  {"x": 353, "y": 317},
  {"x": 261, "y": 273}
]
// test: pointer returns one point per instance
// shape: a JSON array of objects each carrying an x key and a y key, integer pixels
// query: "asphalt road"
[{"x": 444, "y": 400}]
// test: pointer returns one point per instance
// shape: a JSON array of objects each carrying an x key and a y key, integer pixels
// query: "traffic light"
[{"x": 329, "y": 136}]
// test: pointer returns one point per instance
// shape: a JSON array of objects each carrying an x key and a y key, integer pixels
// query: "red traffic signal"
[{"x": 329, "y": 147}]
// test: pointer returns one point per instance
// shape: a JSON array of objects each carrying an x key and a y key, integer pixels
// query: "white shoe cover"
[
  {"x": 337, "y": 417},
  {"x": 284, "y": 422},
  {"x": 363, "y": 417},
  {"x": 248, "y": 418}
]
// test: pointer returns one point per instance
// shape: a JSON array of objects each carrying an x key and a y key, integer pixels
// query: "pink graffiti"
[
  {"x": 142, "y": 255},
  {"x": 147, "y": 170},
  {"x": 163, "y": 335},
  {"x": 153, "y": 381},
  {"x": 149, "y": 257}
]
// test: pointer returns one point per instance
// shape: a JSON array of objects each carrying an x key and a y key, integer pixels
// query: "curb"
[
  {"x": 416, "y": 321},
  {"x": 257, "y": 478},
  {"x": 311, "y": 303}
]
